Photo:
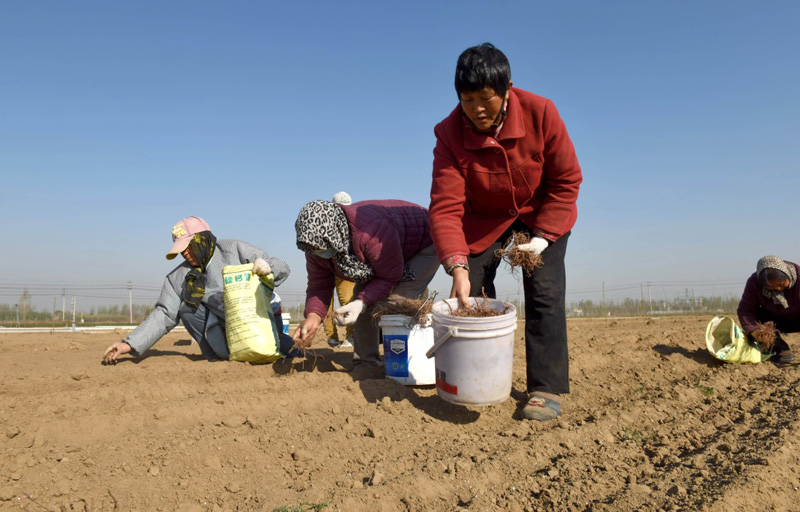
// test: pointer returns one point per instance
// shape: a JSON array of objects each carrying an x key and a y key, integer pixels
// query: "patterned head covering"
[
  {"x": 323, "y": 225},
  {"x": 775, "y": 263},
  {"x": 202, "y": 247}
]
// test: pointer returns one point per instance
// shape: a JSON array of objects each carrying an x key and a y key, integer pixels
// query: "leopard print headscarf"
[
  {"x": 776, "y": 263},
  {"x": 323, "y": 225}
]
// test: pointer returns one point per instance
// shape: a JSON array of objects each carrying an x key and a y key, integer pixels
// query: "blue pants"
[{"x": 208, "y": 330}]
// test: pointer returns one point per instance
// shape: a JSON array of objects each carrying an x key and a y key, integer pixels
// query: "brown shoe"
[{"x": 786, "y": 357}]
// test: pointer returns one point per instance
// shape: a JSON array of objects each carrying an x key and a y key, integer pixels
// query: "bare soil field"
[{"x": 653, "y": 423}]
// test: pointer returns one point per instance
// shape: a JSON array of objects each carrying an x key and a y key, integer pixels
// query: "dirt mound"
[{"x": 653, "y": 423}]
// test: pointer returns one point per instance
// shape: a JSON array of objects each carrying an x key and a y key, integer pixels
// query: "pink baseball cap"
[{"x": 182, "y": 234}]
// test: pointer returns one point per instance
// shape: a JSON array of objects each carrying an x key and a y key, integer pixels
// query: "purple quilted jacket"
[
  {"x": 753, "y": 299},
  {"x": 385, "y": 234}
]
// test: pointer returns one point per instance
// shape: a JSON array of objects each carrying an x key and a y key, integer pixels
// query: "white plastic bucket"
[
  {"x": 286, "y": 318},
  {"x": 404, "y": 345},
  {"x": 474, "y": 356}
]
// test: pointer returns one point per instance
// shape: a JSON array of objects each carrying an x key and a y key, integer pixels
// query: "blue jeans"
[{"x": 208, "y": 330}]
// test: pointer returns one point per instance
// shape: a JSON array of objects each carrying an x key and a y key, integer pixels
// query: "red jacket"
[
  {"x": 481, "y": 185},
  {"x": 385, "y": 234}
]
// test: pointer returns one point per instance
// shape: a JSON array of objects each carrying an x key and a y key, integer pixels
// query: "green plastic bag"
[
  {"x": 727, "y": 342},
  {"x": 249, "y": 322}
]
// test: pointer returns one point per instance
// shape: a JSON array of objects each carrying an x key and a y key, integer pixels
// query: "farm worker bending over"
[
  {"x": 383, "y": 246},
  {"x": 503, "y": 162},
  {"x": 193, "y": 292},
  {"x": 344, "y": 292},
  {"x": 771, "y": 295}
]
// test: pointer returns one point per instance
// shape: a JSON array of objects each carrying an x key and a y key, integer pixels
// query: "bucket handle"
[{"x": 451, "y": 331}]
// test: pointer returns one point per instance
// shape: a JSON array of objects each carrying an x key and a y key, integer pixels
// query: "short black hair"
[{"x": 482, "y": 66}]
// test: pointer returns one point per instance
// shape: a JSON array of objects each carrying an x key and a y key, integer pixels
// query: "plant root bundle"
[
  {"x": 302, "y": 345},
  {"x": 516, "y": 258},
  {"x": 308, "y": 353},
  {"x": 765, "y": 334},
  {"x": 477, "y": 310},
  {"x": 417, "y": 309}
]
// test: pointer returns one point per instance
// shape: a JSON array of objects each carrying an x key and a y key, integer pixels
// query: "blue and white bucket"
[
  {"x": 405, "y": 343},
  {"x": 285, "y": 319}
]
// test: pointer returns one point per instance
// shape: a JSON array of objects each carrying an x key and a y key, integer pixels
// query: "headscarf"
[
  {"x": 194, "y": 285},
  {"x": 776, "y": 263},
  {"x": 323, "y": 225}
]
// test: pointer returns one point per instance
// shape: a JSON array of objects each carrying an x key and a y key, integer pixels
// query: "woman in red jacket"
[
  {"x": 384, "y": 247},
  {"x": 771, "y": 294},
  {"x": 504, "y": 162}
]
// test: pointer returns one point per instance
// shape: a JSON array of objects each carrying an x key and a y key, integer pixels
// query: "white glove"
[
  {"x": 537, "y": 245},
  {"x": 261, "y": 267},
  {"x": 347, "y": 315}
]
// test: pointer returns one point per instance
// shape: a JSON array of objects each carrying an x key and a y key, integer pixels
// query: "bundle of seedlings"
[
  {"x": 518, "y": 258},
  {"x": 477, "y": 310},
  {"x": 304, "y": 347},
  {"x": 417, "y": 309},
  {"x": 765, "y": 334}
]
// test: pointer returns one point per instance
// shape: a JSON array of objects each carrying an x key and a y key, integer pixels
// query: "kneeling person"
[{"x": 193, "y": 291}]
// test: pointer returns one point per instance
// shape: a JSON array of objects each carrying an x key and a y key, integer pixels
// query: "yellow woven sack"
[
  {"x": 249, "y": 322},
  {"x": 727, "y": 342}
]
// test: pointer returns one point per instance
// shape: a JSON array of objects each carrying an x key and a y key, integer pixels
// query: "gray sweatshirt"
[{"x": 165, "y": 315}]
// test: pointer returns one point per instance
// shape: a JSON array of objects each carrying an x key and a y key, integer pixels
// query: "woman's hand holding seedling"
[
  {"x": 537, "y": 245},
  {"x": 304, "y": 334},
  {"x": 461, "y": 286}
]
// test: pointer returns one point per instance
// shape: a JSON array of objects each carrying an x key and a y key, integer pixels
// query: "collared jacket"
[
  {"x": 482, "y": 184},
  {"x": 753, "y": 299},
  {"x": 166, "y": 315},
  {"x": 385, "y": 234}
]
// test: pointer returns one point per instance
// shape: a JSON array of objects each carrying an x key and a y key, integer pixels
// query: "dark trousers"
[
  {"x": 366, "y": 333},
  {"x": 782, "y": 325},
  {"x": 546, "y": 353}
]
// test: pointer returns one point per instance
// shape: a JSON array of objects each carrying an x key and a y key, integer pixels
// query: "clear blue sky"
[{"x": 118, "y": 119}]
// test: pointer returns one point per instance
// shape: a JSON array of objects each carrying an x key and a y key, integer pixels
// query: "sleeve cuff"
[
  {"x": 454, "y": 262},
  {"x": 546, "y": 236}
]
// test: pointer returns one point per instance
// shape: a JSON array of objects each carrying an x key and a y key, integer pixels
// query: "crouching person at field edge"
[
  {"x": 771, "y": 294},
  {"x": 193, "y": 291}
]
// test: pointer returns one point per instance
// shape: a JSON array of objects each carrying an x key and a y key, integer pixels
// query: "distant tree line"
[
  {"x": 23, "y": 314},
  {"x": 644, "y": 307}
]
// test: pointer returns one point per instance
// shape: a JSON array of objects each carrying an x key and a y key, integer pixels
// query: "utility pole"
[
  {"x": 650, "y": 297},
  {"x": 63, "y": 304},
  {"x": 130, "y": 300},
  {"x": 54, "y": 315},
  {"x": 641, "y": 304},
  {"x": 605, "y": 313},
  {"x": 73, "y": 312}
]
